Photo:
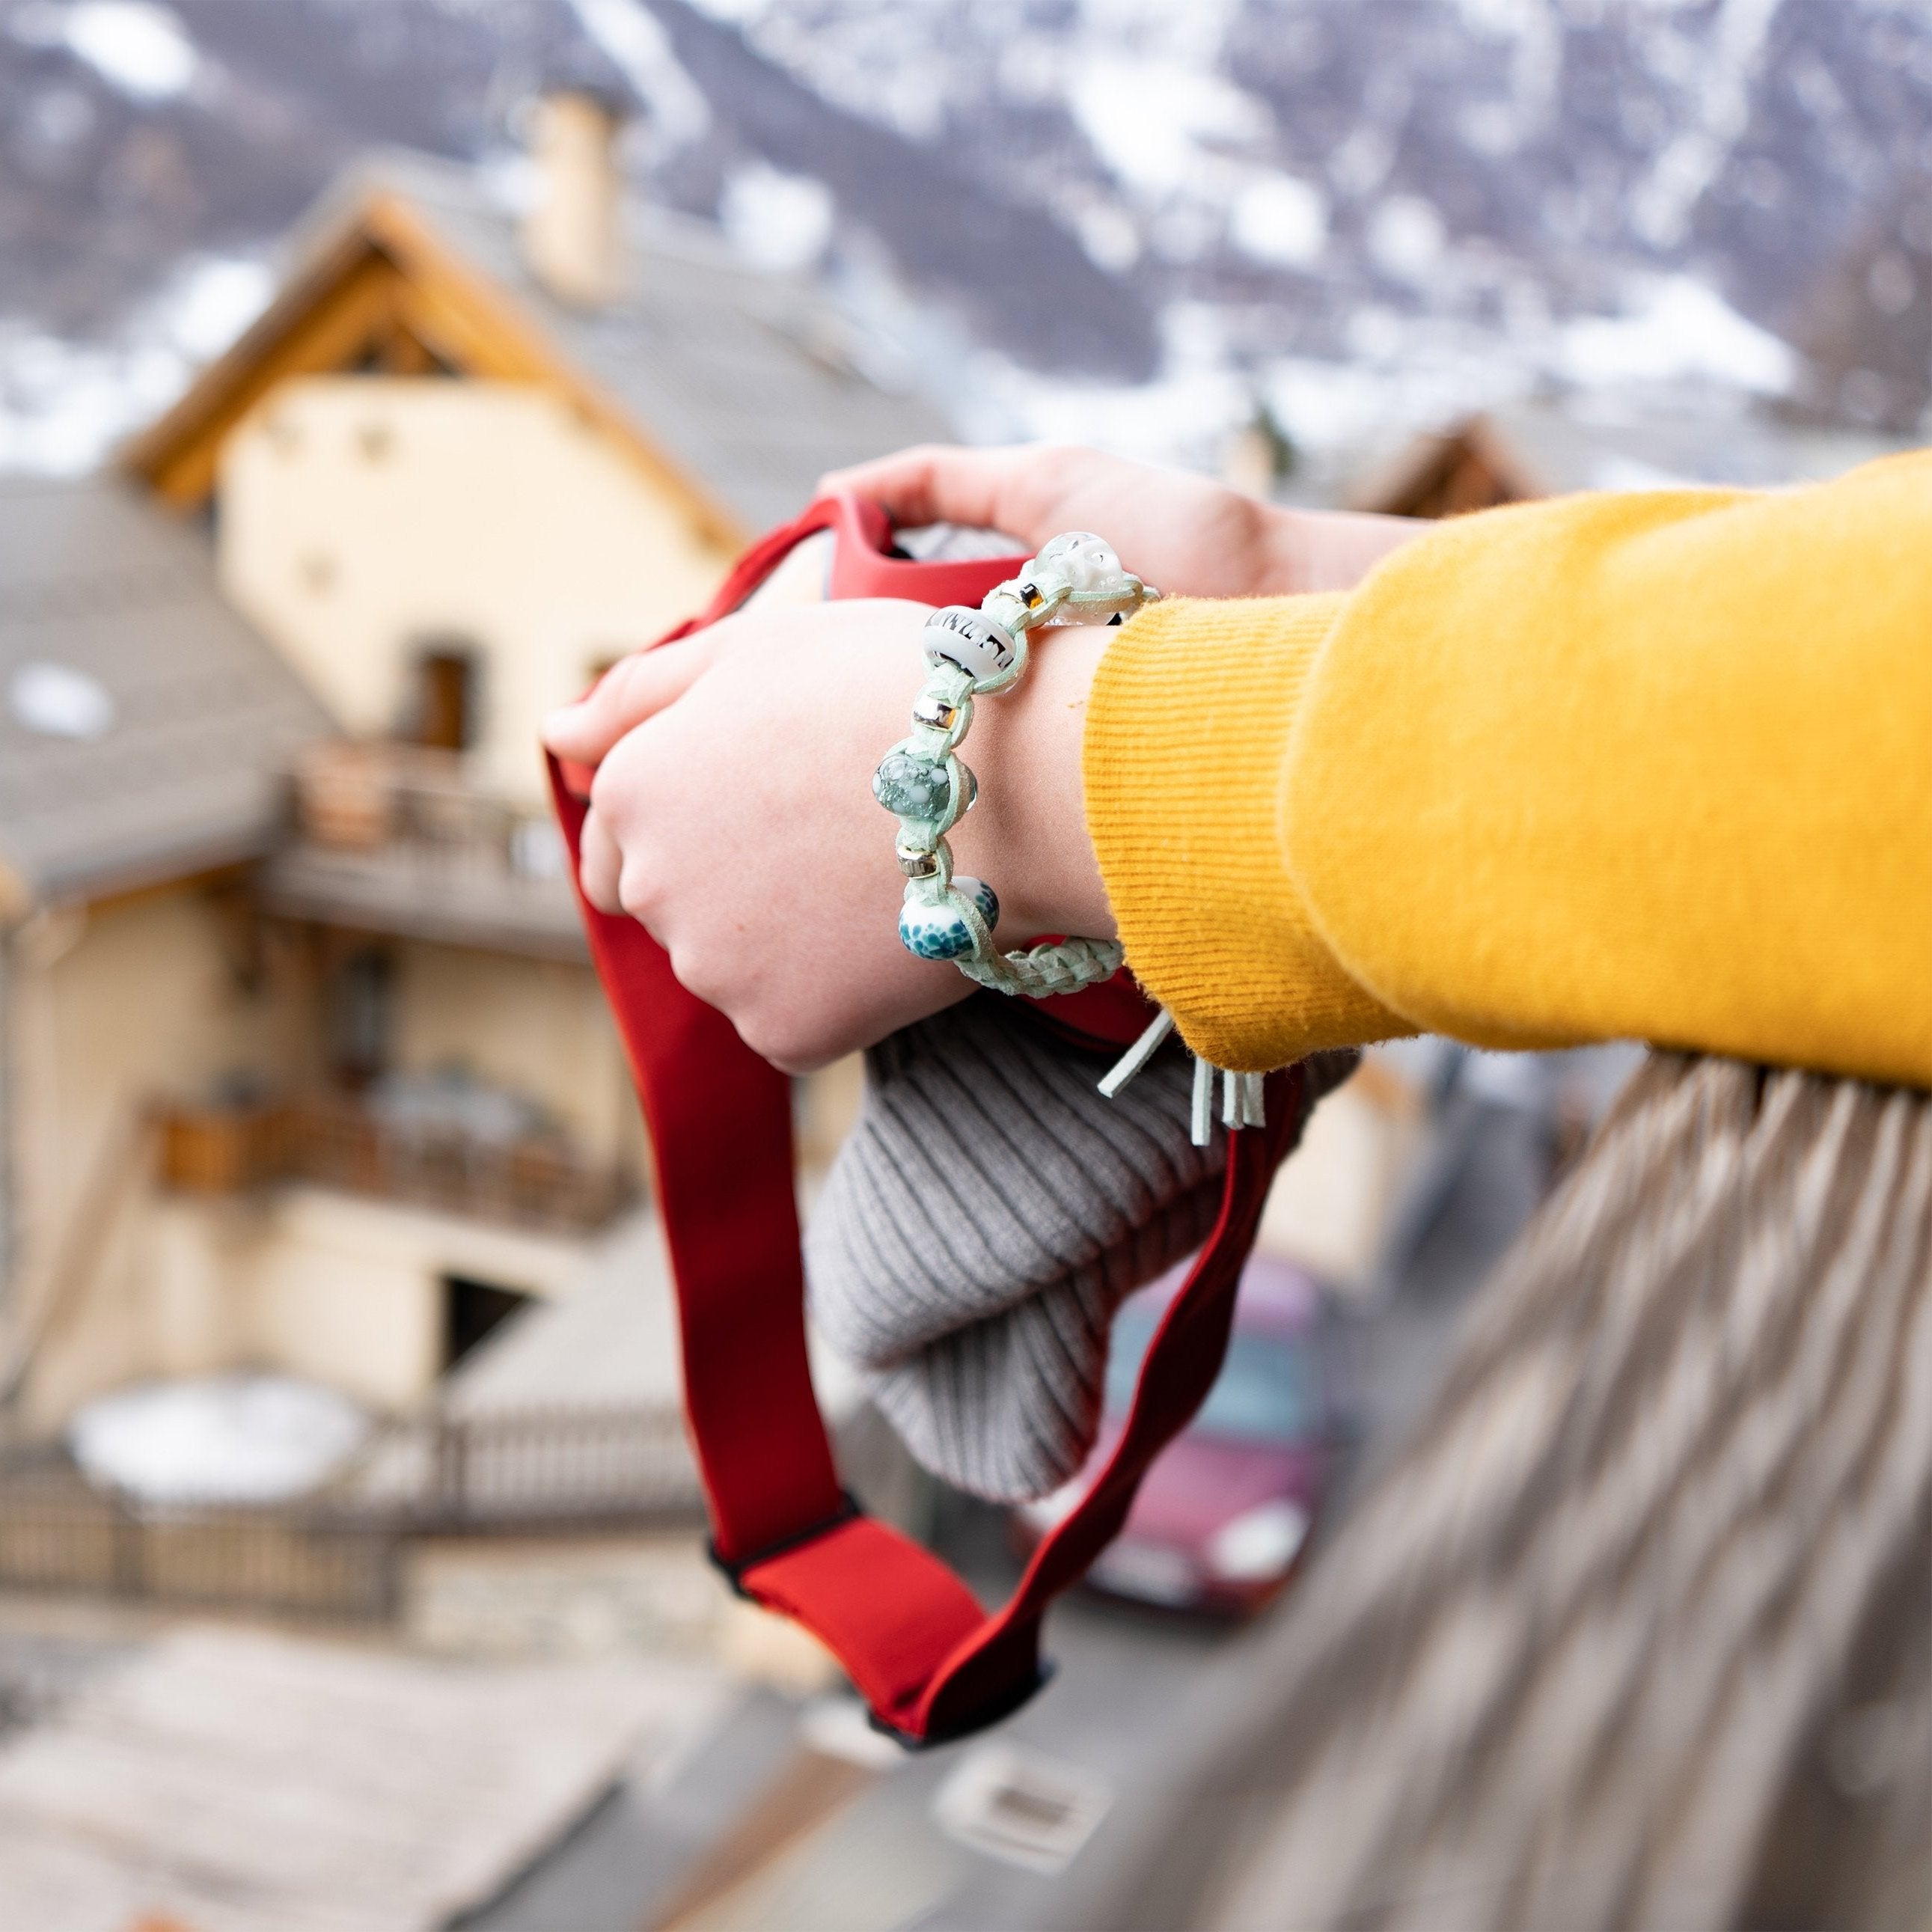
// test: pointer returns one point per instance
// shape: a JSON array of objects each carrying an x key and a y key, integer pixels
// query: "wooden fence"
[
  {"x": 58, "y": 1533},
  {"x": 338, "y": 1554},
  {"x": 527, "y": 1467}
]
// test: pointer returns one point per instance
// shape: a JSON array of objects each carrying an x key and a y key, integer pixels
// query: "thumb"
[{"x": 634, "y": 688}]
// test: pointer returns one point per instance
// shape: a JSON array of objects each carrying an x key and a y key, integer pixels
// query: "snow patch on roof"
[
  {"x": 58, "y": 701},
  {"x": 217, "y": 1438},
  {"x": 776, "y": 220}
]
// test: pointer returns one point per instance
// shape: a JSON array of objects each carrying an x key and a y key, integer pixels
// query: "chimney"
[{"x": 573, "y": 235}]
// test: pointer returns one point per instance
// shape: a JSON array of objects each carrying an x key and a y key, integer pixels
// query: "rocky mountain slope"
[{"x": 1331, "y": 204}]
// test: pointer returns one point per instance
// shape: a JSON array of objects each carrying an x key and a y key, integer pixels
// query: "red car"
[{"x": 1221, "y": 1518}]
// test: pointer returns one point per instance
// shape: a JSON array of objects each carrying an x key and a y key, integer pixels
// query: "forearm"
[
  {"x": 1648, "y": 765},
  {"x": 1038, "y": 814},
  {"x": 1329, "y": 549}
]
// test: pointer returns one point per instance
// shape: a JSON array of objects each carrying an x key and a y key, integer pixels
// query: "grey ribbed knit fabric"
[{"x": 987, "y": 1215}]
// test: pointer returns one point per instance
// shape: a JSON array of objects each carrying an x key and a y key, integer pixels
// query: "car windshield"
[{"x": 1265, "y": 1392}]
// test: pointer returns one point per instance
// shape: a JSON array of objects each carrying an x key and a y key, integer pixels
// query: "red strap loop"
[{"x": 914, "y": 1640}]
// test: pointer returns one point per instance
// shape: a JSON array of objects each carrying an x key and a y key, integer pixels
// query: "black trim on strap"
[
  {"x": 979, "y": 1719},
  {"x": 732, "y": 1568}
]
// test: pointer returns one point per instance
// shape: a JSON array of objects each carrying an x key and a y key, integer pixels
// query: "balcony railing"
[
  {"x": 58, "y": 1533},
  {"x": 534, "y": 1179},
  {"x": 531, "y": 1468},
  {"x": 396, "y": 839},
  {"x": 337, "y": 1554}
]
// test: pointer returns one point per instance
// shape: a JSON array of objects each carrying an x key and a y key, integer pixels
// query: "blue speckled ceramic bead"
[
  {"x": 938, "y": 932},
  {"x": 933, "y": 931}
]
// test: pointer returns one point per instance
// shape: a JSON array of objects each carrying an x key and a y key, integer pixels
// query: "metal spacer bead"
[
  {"x": 939, "y": 713},
  {"x": 916, "y": 862}
]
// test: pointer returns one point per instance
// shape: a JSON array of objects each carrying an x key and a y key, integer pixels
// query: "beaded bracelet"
[{"x": 1076, "y": 578}]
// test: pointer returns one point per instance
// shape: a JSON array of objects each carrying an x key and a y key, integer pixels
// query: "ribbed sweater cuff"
[{"x": 1187, "y": 742}]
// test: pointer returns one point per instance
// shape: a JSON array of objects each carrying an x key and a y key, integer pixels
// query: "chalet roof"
[
  {"x": 201, "y": 715},
  {"x": 746, "y": 384},
  {"x": 1565, "y": 451},
  {"x": 1532, "y": 449},
  {"x": 751, "y": 381}
]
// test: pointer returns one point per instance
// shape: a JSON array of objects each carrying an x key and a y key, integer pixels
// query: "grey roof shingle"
[
  {"x": 750, "y": 382},
  {"x": 95, "y": 577},
  {"x": 1566, "y": 450},
  {"x": 1608, "y": 442}
]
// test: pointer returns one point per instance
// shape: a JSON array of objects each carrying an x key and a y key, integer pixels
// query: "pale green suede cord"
[
  {"x": 971, "y": 654},
  {"x": 1076, "y": 578}
]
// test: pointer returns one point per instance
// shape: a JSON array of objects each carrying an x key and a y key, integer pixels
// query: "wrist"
[
  {"x": 1193, "y": 717},
  {"x": 1027, "y": 835}
]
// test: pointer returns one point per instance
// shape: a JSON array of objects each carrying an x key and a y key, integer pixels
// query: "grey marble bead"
[{"x": 912, "y": 787}]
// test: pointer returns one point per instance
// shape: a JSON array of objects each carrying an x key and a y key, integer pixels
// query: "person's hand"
[
  {"x": 732, "y": 814},
  {"x": 1192, "y": 536}
]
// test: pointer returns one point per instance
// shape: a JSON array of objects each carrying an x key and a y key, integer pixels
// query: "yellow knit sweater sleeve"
[{"x": 1656, "y": 766}]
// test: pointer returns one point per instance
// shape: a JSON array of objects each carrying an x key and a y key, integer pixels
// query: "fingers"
[
  {"x": 938, "y": 483},
  {"x": 600, "y": 865},
  {"x": 634, "y": 688}
]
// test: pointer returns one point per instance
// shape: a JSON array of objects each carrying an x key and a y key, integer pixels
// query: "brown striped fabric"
[
  {"x": 1636, "y": 1631},
  {"x": 988, "y": 1213}
]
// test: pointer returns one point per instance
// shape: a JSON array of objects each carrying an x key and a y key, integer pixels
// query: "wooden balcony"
[
  {"x": 527, "y": 1469},
  {"x": 395, "y": 839},
  {"x": 533, "y": 1180},
  {"x": 337, "y": 1554}
]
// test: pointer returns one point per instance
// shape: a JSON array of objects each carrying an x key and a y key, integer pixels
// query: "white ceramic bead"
[
  {"x": 1090, "y": 565},
  {"x": 1049, "y": 580},
  {"x": 969, "y": 639}
]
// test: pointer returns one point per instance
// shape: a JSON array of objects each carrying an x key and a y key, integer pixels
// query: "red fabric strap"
[{"x": 914, "y": 1640}]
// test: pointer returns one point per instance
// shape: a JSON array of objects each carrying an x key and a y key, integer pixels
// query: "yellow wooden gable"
[{"x": 383, "y": 293}]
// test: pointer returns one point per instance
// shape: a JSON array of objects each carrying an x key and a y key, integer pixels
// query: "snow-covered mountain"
[{"x": 1169, "y": 209}]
